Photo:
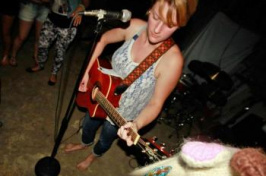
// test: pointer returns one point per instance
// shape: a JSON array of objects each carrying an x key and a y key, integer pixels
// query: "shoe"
[
  {"x": 51, "y": 83},
  {"x": 52, "y": 80},
  {"x": 30, "y": 70},
  {"x": 13, "y": 62}
]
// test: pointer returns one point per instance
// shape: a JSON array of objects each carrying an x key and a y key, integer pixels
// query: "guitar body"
[
  {"x": 106, "y": 84},
  {"x": 100, "y": 100}
]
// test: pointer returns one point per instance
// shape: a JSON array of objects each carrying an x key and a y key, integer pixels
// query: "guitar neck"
[
  {"x": 113, "y": 114},
  {"x": 120, "y": 121}
]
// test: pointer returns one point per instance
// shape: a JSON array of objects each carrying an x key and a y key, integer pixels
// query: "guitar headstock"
[{"x": 154, "y": 150}]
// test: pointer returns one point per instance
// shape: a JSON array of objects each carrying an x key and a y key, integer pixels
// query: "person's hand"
[
  {"x": 83, "y": 83},
  {"x": 124, "y": 132},
  {"x": 75, "y": 14}
]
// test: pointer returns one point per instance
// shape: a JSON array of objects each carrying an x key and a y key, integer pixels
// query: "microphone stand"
[{"x": 49, "y": 166}]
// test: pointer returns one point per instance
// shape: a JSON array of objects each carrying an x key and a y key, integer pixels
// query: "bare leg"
[
  {"x": 38, "y": 27},
  {"x": 6, "y": 34},
  {"x": 83, "y": 165},
  {"x": 24, "y": 29}
]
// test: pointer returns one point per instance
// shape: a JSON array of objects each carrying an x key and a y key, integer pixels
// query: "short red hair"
[{"x": 184, "y": 10}]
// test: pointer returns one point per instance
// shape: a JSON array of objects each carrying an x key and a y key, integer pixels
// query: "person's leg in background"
[
  {"x": 29, "y": 13},
  {"x": 24, "y": 29},
  {"x": 47, "y": 35},
  {"x": 9, "y": 11},
  {"x": 42, "y": 16},
  {"x": 7, "y": 23},
  {"x": 64, "y": 38}
]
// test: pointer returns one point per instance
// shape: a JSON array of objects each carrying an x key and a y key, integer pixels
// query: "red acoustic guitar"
[
  {"x": 98, "y": 100},
  {"x": 105, "y": 83}
]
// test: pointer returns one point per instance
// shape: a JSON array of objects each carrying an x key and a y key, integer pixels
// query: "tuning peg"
[
  {"x": 164, "y": 157},
  {"x": 154, "y": 138},
  {"x": 172, "y": 151},
  {"x": 163, "y": 144}
]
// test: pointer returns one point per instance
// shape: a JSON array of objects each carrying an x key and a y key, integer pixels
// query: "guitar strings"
[{"x": 109, "y": 109}]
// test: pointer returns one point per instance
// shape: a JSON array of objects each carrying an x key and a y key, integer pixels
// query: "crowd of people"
[{"x": 52, "y": 19}]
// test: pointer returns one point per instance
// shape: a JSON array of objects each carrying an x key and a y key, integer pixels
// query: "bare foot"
[
  {"x": 83, "y": 165},
  {"x": 74, "y": 147},
  {"x": 4, "y": 61}
]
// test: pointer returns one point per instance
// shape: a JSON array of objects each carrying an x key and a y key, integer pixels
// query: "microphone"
[{"x": 124, "y": 15}]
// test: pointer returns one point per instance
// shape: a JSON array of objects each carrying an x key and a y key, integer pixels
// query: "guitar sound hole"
[{"x": 94, "y": 92}]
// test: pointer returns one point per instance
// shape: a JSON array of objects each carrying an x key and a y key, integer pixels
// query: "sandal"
[
  {"x": 13, "y": 62},
  {"x": 34, "y": 69}
]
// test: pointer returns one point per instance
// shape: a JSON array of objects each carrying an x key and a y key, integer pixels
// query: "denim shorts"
[{"x": 30, "y": 12}]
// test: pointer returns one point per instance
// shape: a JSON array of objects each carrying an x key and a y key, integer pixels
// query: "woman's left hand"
[{"x": 123, "y": 132}]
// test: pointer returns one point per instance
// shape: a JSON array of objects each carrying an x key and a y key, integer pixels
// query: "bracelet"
[{"x": 81, "y": 5}]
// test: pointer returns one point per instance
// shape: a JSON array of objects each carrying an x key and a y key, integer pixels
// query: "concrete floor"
[{"x": 28, "y": 112}]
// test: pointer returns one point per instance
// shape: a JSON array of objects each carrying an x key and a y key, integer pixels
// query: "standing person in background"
[
  {"x": 57, "y": 27},
  {"x": 9, "y": 11},
  {"x": 31, "y": 11},
  {"x": 143, "y": 100}
]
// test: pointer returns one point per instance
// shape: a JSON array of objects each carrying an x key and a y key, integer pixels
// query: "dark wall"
[{"x": 248, "y": 13}]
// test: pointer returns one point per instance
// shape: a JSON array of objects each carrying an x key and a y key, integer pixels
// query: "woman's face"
[{"x": 158, "y": 30}]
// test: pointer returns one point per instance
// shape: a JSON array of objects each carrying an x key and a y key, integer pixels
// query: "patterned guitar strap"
[{"x": 144, "y": 65}]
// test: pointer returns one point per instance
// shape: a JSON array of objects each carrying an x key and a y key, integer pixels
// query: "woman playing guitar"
[{"x": 142, "y": 101}]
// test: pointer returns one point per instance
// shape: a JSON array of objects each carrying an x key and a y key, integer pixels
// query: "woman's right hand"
[{"x": 84, "y": 82}]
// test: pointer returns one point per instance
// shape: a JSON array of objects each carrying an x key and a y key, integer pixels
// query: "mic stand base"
[{"x": 47, "y": 166}]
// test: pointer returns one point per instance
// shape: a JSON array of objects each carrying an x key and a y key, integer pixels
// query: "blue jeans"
[{"x": 107, "y": 136}]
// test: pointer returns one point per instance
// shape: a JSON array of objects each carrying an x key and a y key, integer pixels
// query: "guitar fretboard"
[{"x": 114, "y": 115}]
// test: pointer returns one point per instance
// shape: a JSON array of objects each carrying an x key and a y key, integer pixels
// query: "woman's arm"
[
  {"x": 112, "y": 36},
  {"x": 168, "y": 72}
]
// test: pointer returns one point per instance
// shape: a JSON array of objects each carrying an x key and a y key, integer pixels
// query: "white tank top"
[{"x": 139, "y": 93}]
